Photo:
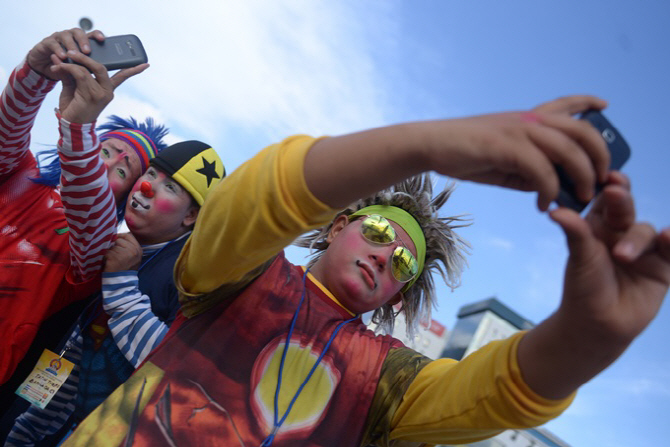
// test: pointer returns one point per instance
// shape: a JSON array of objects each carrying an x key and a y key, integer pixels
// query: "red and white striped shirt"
[
  {"x": 89, "y": 204},
  {"x": 43, "y": 265}
]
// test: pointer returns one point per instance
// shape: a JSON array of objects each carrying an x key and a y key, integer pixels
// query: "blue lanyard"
[
  {"x": 79, "y": 328},
  {"x": 276, "y": 424}
]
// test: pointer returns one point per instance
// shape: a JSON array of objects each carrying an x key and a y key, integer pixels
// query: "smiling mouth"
[
  {"x": 136, "y": 203},
  {"x": 368, "y": 274}
]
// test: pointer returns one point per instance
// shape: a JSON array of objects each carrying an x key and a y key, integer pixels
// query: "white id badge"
[{"x": 46, "y": 378}]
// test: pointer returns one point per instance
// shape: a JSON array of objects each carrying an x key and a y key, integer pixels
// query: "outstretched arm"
[
  {"x": 515, "y": 150},
  {"x": 28, "y": 85},
  {"x": 90, "y": 208},
  {"x": 20, "y": 102},
  {"x": 619, "y": 270},
  {"x": 295, "y": 185},
  {"x": 616, "y": 278},
  {"x": 21, "y": 99}
]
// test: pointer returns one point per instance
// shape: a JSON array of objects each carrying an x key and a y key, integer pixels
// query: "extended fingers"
[
  {"x": 614, "y": 179},
  {"x": 585, "y": 137},
  {"x": 523, "y": 167},
  {"x": 97, "y": 35},
  {"x": 81, "y": 39},
  {"x": 565, "y": 152},
  {"x": 80, "y": 76},
  {"x": 78, "y": 73},
  {"x": 54, "y": 46},
  {"x": 578, "y": 234},
  {"x": 572, "y": 104},
  {"x": 96, "y": 68},
  {"x": 101, "y": 74},
  {"x": 618, "y": 178},
  {"x": 557, "y": 113},
  {"x": 55, "y": 72},
  {"x": 537, "y": 170},
  {"x": 639, "y": 238},
  {"x": 72, "y": 40},
  {"x": 122, "y": 75},
  {"x": 614, "y": 208},
  {"x": 572, "y": 144}
]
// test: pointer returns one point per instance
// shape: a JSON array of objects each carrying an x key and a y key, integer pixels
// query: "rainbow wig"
[{"x": 145, "y": 138}]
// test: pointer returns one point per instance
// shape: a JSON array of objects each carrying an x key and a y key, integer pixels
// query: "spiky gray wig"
[{"x": 445, "y": 250}]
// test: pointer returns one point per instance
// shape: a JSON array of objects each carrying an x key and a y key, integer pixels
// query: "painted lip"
[
  {"x": 368, "y": 274},
  {"x": 136, "y": 202}
]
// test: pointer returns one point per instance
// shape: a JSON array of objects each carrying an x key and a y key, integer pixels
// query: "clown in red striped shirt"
[{"x": 60, "y": 211}]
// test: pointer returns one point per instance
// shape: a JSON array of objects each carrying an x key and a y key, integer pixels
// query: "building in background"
[
  {"x": 478, "y": 324},
  {"x": 429, "y": 339}
]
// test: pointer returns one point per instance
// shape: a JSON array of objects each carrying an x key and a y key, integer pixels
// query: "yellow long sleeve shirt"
[
  {"x": 245, "y": 222},
  {"x": 261, "y": 208}
]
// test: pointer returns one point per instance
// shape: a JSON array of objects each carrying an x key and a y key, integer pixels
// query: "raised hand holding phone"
[
  {"x": 619, "y": 154},
  {"x": 116, "y": 52},
  {"x": 616, "y": 278},
  {"x": 40, "y": 56},
  {"x": 87, "y": 87}
]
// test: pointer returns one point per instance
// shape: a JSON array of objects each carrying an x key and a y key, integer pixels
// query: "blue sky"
[{"x": 243, "y": 75}]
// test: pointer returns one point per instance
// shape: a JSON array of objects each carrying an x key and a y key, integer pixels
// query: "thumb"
[
  {"x": 580, "y": 239},
  {"x": 587, "y": 272}
]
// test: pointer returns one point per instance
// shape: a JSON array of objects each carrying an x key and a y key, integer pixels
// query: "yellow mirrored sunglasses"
[{"x": 378, "y": 230}]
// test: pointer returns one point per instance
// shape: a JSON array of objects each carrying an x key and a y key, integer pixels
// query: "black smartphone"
[
  {"x": 619, "y": 154},
  {"x": 117, "y": 52}
]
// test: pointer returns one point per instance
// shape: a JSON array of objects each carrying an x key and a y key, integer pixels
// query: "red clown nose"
[{"x": 145, "y": 187}]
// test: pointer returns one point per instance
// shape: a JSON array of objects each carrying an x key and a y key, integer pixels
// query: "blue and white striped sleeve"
[
  {"x": 134, "y": 327},
  {"x": 36, "y": 423}
]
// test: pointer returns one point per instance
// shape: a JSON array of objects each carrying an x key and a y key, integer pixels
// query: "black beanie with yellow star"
[{"x": 194, "y": 165}]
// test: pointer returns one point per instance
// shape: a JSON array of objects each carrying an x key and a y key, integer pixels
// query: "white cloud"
[
  {"x": 640, "y": 386},
  {"x": 501, "y": 243},
  {"x": 646, "y": 387},
  {"x": 296, "y": 66},
  {"x": 260, "y": 71},
  {"x": 125, "y": 105},
  {"x": 654, "y": 383},
  {"x": 487, "y": 237}
]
